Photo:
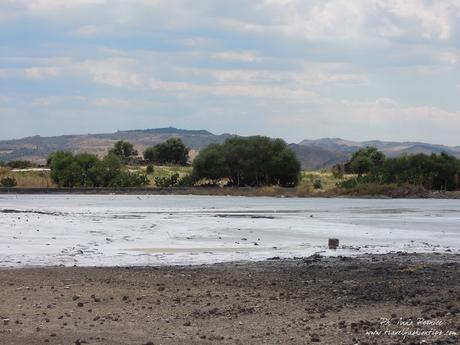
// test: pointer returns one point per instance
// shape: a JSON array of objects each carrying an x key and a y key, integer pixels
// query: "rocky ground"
[{"x": 303, "y": 301}]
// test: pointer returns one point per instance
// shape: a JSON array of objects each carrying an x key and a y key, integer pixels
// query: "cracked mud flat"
[{"x": 315, "y": 300}]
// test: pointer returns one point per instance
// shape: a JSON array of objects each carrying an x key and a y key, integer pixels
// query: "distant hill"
[
  {"x": 313, "y": 154},
  {"x": 317, "y": 158},
  {"x": 390, "y": 148},
  {"x": 37, "y": 148}
]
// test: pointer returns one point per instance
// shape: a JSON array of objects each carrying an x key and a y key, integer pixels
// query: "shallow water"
[{"x": 109, "y": 230}]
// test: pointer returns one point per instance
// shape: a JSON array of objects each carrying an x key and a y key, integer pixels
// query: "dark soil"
[{"x": 304, "y": 301}]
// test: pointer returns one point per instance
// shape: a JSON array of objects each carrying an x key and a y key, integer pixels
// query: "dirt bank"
[{"x": 303, "y": 301}]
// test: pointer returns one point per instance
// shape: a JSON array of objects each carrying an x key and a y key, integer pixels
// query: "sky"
[{"x": 295, "y": 69}]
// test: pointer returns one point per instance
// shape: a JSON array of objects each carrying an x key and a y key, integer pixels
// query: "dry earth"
[{"x": 302, "y": 301}]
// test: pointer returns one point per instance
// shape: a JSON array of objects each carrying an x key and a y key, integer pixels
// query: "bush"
[
  {"x": 8, "y": 182},
  {"x": 20, "y": 164},
  {"x": 130, "y": 179},
  {"x": 150, "y": 169},
  {"x": 187, "y": 181},
  {"x": 167, "y": 181},
  {"x": 317, "y": 184}
]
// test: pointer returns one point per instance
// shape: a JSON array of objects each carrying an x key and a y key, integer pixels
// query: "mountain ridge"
[{"x": 313, "y": 154}]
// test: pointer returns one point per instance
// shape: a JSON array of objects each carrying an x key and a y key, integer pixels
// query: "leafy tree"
[
  {"x": 87, "y": 170},
  {"x": 150, "y": 154},
  {"x": 365, "y": 160},
  {"x": 65, "y": 170},
  {"x": 211, "y": 164},
  {"x": 438, "y": 172},
  {"x": 252, "y": 161},
  {"x": 124, "y": 150},
  {"x": 8, "y": 182},
  {"x": 105, "y": 171},
  {"x": 172, "y": 151}
]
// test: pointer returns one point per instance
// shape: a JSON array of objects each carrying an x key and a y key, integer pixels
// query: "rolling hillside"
[{"x": 313, "y": 154}]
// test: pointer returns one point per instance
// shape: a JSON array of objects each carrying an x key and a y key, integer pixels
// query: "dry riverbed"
[{"x": 303, "y": 301}]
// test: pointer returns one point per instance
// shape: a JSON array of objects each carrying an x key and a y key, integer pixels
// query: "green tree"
[
  {"x": 124, "y": 150},
  {"x": 433, "y": 172},
  {"x": 252, "y": 161},
  {"x": 172, "y": 151},
  {"x": 150, "y": 154},
  {"x": 87, "y": 170},
  {"x": 365, "y": 160},
  {"x": 65, "y": 171},
  {"x": 211, "y": 164}
]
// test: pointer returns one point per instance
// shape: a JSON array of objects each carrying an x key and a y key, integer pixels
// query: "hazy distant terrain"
[{"x": 314, "y": 154}]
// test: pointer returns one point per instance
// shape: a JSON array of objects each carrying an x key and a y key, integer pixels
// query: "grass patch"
[{"x": 29, "y": 179}]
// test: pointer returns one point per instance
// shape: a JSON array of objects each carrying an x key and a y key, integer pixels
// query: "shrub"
[
  {"x": 167, "y": 181},
  {"x": 20, "y": 164},
  {"x": 317, "y": 184},
  {"x": 150, "y": 169},
  {"x": 187, "y": 181},
  {"x": 8, "y": 182},
  {"x": 130, "y": 179}
]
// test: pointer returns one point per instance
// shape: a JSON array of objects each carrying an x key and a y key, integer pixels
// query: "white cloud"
[
  {"x": 449, "y": 57},
  {"x": 4, "y": 73},
  {"x": 40, "y": 72},
  {"x": 116, "y": 72},
  {"x": 237, "y": 56},
  {"x": 110, "y": 102},
  {"x": 43, "y": 5},
  {"x": 292, "y": 59},
  {"x": 87, "y": 30}
]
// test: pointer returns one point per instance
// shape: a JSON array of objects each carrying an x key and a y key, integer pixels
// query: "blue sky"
[{"x": 296, "y": 69}]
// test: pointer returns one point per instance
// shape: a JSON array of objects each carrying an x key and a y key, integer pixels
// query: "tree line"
[
  {"x": 432, "y": 172},
  {"x": 88, "y": 170},
  {"x": 240, "y": 161},
  {"x": 251, "y": 161}
]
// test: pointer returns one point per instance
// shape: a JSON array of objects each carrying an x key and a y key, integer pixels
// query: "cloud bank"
[{"x": 360, "y": 69}]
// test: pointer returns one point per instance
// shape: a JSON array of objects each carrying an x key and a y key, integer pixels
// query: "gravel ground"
[{"x": 373, "y": 299}]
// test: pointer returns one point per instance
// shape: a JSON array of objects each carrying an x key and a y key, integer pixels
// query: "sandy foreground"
[{"x": 373, "y": 299}]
